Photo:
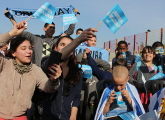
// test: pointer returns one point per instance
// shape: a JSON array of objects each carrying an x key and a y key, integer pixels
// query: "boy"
[
  {"x": 110, "y": 106},
  {"x": 124, "y": 53},
  {"x": 159, "y": 58}
]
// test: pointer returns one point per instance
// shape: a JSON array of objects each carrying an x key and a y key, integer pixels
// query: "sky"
[{"x": 142, "y": 15}]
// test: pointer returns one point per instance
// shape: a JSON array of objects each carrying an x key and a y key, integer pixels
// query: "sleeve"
[
  {"x": 100, "y": 74},
  {"x": 4, "y": 38},
  {"x": 77, "y": 97},
  {"x": 102, "y": 63},
  {"x": 132, "y": 73},
  {"x": 44, "y": 83},
  {"x": 70, "y": 30},
  {"x": 30, "y": 36}
]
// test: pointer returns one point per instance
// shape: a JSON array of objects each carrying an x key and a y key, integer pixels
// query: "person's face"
[
  {"x": 49, "y": 30},
  {"x": 159, "y": 50},
  {"x": 122, "y": 48},
  {"x": 63, "y": 43},
  {"x": 91, "y": 42},
  {"x": 79, "y": 32},
  {"x": 119, "y": 83},
  {"x": 148, "y": 56},
  {"x": 23, "y": 53}
]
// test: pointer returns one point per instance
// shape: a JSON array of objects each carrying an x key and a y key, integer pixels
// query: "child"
[
  {"x": 124, "y": 53},
  {"x": 109, "y": 106},
  {"x": 143, "y": 71},
  {"x": 159, "y": 58}
]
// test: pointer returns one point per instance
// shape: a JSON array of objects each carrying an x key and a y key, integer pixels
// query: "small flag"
[
  {"x": 115, "y": 18},
  {"x": 69, "y": 19},
  {"x": 45, "y": 13},
  {"x": 158, "y": 76}
]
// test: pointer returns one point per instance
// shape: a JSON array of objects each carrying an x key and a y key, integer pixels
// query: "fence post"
[
  {"x": 109, "y": 44},
  {"x": 161, "y": 37},
  {"x": 124, "y": 38},
  {"x": 146, "y": 38},
  {"x": 134, "y": 45},
  {"x": 116, "y": 42}
]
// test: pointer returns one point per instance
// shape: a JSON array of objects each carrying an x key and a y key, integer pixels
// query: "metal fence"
[{"x": 138, "y": 41}]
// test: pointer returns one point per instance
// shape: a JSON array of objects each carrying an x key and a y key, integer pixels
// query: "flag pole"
[
  {"x": 63, "y": 29},
  {"x": 28, "y": 18},
  {"x": 99, "y": 24}
]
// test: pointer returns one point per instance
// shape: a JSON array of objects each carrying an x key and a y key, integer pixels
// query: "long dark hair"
[
  {"x": 15, "y": 42},
  {"x": 74, "y": 73}
]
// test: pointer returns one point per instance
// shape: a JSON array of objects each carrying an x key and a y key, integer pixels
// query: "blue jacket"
[
  {"x": 100, "y": 74},
  {"x": 58, "y": 106}
]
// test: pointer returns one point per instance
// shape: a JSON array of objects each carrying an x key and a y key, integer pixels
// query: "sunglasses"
[{"x": 52, "y": 27}]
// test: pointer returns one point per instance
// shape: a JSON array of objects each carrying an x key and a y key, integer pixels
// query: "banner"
[
  {"x": 69, "y": 19},
  {"x": 115, "y": 18},
  {"x": 18, "y": 12},
  {"x": 45, "y": 13},
  {"x": 97, "y": 53}
]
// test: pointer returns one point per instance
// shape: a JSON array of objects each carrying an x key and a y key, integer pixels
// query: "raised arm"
[
  {"x": 10, "y": 17},
  {"x": 17, "y": 30},
  {"x": 86, "y": 35}
]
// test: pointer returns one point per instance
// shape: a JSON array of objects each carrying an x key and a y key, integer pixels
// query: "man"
[
  {"x": 43, "y": 44},
  {"x": 120, "y": 99}
]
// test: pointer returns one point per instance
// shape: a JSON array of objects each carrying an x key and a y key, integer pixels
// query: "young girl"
[
  {"x": 64, "y": 103},
  {"x": 19, "y": 76},
  {"x": 142, "y": 71}
]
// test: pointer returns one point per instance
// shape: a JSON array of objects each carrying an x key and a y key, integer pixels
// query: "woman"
[
  {"x": 64, "y": 103},
  {"x": 142, "y": 71},
  {"x": 19, "y": 76}
]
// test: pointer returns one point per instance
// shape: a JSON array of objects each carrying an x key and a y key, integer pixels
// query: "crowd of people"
[{"x": 31, "y": 89}]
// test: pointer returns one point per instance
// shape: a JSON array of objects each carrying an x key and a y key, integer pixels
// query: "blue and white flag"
[
  {"x": 156, "y": 100},
  {"x": 115, "y": 18},
  {"x": 97, "y": 53},
  {"x": 69, "y": 19},
  {"x": 136, "y": 103},
  {"x": 87, "y": 71},
  {"x": 45, "y": 13},
  {"x": 158, "y": 76},
  {"x": 19, "y": 12}
]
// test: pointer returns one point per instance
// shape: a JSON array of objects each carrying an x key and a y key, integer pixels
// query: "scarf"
[{"x": 22, "y": 68}]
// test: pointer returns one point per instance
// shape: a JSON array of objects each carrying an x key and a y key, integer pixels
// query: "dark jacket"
[
  {"x": 159, "y": 61},
  {"x": 100, "y": 74},
  {"x": 58, "y": 106}
]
